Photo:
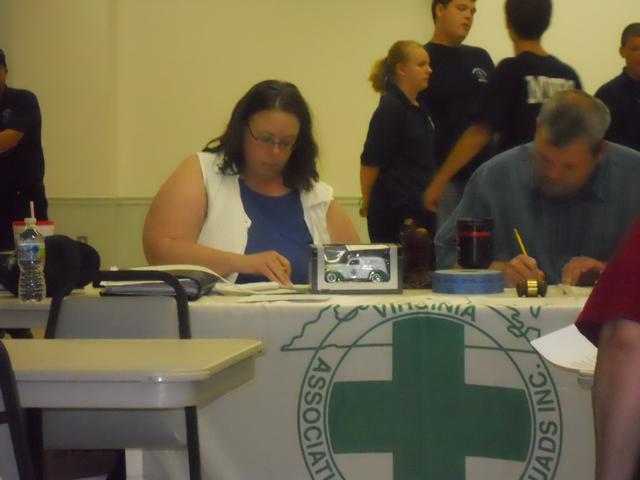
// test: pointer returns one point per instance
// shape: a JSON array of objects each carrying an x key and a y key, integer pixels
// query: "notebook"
[{"x": 196, "y": 281}]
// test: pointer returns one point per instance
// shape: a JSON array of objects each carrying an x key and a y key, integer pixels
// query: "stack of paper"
[{"x": 568, "y": 348}]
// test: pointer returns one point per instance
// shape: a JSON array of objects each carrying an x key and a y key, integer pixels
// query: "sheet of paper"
[
  {"x": 576, "y": 291},
  {"x": 568, "y": 348},
  {"x": 259, "y": 288},
  {"x": 301, "y": 298}
]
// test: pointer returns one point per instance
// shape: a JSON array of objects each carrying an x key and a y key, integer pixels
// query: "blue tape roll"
[{"x": 468, "y": 282}]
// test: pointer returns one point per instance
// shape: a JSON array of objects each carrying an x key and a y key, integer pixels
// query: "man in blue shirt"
[{"x": 571, "y": 195}]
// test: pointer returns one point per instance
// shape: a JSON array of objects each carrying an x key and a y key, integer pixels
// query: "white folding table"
[
  {"x": 158, "y": 373},
  {"x": 129, "y": 374}
]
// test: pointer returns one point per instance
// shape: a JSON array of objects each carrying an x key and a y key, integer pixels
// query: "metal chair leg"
[{"x": 193, "y": 443}]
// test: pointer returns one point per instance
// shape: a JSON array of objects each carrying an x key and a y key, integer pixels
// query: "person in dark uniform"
[
  {"x": 398, "y": 159},
  {"x": 21, "y": 163},
  {"x": 21, "y": 157},
  {"x": 516, "y": 91},
  {"x": 459, "y": 80},
  {"x": 622, "y": 94}
]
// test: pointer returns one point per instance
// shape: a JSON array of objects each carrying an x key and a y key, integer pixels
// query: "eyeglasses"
[{"x": 269, "y": 140}]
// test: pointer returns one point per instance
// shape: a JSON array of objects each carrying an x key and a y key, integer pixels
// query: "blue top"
[
  {"x": 592, "y": 223},
  {"x": 277, "y": 223}
]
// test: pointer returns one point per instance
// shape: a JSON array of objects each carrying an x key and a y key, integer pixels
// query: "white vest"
[{"x": 226, "y": 225}]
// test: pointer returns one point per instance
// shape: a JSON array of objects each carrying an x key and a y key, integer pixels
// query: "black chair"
[
  {"x": 16, "y": 462},
  {"x": 87, "y": 316}
]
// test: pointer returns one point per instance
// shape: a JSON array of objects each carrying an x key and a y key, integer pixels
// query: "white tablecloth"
[
  {"x": 394, "y": 387},
  {"x": 387, "y": 387}
]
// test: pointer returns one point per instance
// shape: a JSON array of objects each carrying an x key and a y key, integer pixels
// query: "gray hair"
[{"x": 573, "y": 114}]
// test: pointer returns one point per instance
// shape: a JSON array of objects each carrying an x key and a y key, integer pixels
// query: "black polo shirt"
[
  {"x": 400, "y": 142},
  {"x": 22, "y": 167},
  {"x": 23, "y": 164},
  {"x": 456, "y": 88},
  {"x": 622, "y": 96},
  {"x": 517, "y": 90}
]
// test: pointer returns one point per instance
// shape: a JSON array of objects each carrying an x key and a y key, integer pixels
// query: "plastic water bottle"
[{"x": 31, "y": 255}]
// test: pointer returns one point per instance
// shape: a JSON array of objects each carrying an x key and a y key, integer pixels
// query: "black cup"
[{"x": 475, "y": 242}]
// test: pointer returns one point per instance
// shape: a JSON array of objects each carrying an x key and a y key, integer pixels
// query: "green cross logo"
[
  {"x": 426, "y": 415},
  {"x": 438, "y": 413}
]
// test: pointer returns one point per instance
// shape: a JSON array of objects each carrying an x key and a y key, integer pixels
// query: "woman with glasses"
[
  {"x": 398, "y": 159},
  {"x": 249, "y": 205}
]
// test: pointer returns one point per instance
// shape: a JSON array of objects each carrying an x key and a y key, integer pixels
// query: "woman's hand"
[{"x": 270, "y": 264}]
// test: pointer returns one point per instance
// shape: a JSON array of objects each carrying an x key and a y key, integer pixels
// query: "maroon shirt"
[{"x": 617, "y": 294}]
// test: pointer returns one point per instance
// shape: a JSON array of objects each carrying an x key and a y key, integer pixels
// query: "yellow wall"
[
  {"x": 4, "y": 23},
  {"x": 130, "y": 87},
  {"x": 189, "y": 63},
  {"x": 62, "y": 50}
]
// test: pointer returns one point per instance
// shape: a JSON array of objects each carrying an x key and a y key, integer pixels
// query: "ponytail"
[
  {"x": 379, "y": 75},
  {"x": 383, "y": 71}
]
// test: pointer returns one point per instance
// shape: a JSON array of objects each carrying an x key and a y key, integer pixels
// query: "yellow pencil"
[{"x": 519, "y": 239}]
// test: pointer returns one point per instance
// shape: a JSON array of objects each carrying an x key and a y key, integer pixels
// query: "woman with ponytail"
[{"x": 398, "y": 159}]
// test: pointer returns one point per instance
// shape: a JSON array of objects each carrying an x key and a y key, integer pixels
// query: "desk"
[
  {"x": 393, "y": 387},
  {"x": 130, "y": 374},
  {"x": 17, "y": 314}
]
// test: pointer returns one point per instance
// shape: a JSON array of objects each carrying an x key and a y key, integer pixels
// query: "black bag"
[{"x": 69, "y": 264}]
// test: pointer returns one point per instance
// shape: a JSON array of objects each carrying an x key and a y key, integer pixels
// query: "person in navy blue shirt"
[
  {"x": 456, "y": 88},
  {"x": 398, "y": 159},
  {"x": 21, "y": 157},
  {"x": 622, "y": 94},
  {"x": 516, "y": 91}
]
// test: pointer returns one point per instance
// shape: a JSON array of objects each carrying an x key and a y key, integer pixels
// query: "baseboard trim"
[{"x": 137, "y": 201}]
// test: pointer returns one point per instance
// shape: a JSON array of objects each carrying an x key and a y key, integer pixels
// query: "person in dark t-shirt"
[
  {"x": 21, "y": 157},
  {"x": 516, "y": 91},
  {"x": 622, "y": 94},
  {"x": 21, "y": 163},
  {"x": 459, "y": 79},
  {"x": 398, "y": 160}
]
